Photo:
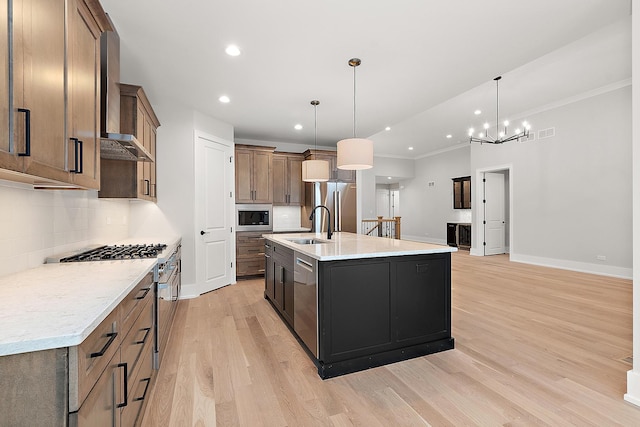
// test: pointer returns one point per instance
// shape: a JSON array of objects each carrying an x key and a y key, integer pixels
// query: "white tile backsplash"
[
  {"x": 35, "y": 224},
  {"x": 286, "y": 217}
]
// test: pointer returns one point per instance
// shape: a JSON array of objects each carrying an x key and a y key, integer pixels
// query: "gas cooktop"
[{"x": 115, "y": 252}]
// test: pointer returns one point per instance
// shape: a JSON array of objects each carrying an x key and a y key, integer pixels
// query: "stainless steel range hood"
[{"x": 113, "y": 144}]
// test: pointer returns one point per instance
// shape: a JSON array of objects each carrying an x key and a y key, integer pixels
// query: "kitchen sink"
[{"x": 307, "y": 241}]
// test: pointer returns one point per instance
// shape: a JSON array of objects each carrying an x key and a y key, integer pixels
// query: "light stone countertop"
[
  {"x": 354, "y": 246},
  {"x": 59, "y": 305}
]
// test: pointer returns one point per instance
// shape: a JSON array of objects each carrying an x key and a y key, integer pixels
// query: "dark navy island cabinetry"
[{"x": 371, "y": 310}]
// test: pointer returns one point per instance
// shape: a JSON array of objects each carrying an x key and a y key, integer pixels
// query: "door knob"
[{"x": 202, "y": 232}]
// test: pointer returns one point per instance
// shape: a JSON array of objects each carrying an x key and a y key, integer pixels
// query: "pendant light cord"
[
  {"x": 354, "y": 102},
  {"x": 497, "y": 106}
]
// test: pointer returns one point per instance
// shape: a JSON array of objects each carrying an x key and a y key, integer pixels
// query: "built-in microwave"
[{"x": 254, "y": 217}]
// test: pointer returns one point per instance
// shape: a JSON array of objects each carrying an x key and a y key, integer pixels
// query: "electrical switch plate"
[{"x": 601, "y": 258}]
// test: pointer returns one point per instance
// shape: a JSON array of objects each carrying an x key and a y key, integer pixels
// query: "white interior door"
[
  {"x": 494, "y": 214},
  {"x": 382, "y": 202},
  {"x": 214, "y": 212}
]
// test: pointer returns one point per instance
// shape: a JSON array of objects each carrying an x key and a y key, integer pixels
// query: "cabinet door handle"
[
  {"x": 146, "y": 387},
  {"x": 144, "y": 340},
  {"x": 154, "y": 190},
  {"x": 143, "y": 296},
  {"x": 147, "y": 188},
  {"x": 126, "y": 386},
  {"x": 27, "y": 131},
  {"x": 78, "y": 156},
  {"x": 112, "y": 336}
]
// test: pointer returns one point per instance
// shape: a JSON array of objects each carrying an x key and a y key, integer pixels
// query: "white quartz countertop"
[
  {"x": 353, "y": 246},
  {"x": 59, "y": 305}
]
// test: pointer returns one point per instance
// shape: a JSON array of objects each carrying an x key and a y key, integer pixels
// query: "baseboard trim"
[
  {"x": 582, "y": 267},
  {"x": 633, "y": 388}
]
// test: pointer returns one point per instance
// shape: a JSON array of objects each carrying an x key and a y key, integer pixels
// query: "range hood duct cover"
[{"x": 113, "y": 144}]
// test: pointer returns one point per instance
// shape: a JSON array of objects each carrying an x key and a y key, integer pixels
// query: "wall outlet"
[
  {"x": 601, "y": 258},
  {"x": 432, "y": 183}
]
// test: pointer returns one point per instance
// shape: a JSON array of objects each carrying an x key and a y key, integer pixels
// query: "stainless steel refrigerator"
[{"x": 339, "y": 197}]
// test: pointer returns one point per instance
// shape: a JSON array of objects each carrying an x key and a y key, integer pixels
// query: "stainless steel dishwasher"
[{"x": 305, "y": 300}]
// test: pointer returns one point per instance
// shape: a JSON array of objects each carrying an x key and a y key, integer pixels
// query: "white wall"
[
  {"x": 35, "y": 224},
  {"x": 633, "y": 376},
  {"x": 382, "y": 166},
  {"x": 572, "y": 192},
  {"x": 175, "y": 166},
  {"x": 426, "y": 210}
]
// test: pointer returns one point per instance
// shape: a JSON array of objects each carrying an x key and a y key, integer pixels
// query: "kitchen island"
[{"x": 356, "y": 302}]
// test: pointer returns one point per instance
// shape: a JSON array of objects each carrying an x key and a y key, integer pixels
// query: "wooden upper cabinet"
[
  {"x": 127, "y": 179},
  {"x": 8, "y": 160},
  {"x": 83, "y": 88},
  {"x": 462, "y": 192},
  {"x": 288, "y": 188},
  {"x": 38, "y": 110},
  {"x": 254, "y": 177}
]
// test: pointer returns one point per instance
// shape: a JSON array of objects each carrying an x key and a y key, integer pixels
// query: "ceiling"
[{"x": 426, "y": 65}]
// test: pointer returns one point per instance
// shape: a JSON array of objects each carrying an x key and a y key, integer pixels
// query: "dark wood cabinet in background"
[
  {"x": 254, "y": 176},
  {"x": 250, "y": 251},
  {"x": 462, "y": 192},
  {"x": 459, "y": 234},
  {"x": 288, "y": 187}
]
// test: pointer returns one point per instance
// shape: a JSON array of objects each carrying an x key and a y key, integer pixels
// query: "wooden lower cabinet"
[
  {"x": 101, "y": 406},
  {"x": 381, "y": 310},
  {"x": 104, "y": 381},
  {"x": 250, "y": 253},
  {"x": 279, "y": 280}
]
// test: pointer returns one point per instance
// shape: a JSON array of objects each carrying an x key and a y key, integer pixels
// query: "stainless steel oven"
[
  {"x": 169, "y": 281},
  {"x": 254, "y": 217}
]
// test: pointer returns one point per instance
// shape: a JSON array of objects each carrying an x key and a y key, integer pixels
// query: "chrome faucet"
[{"x": 313, "y": 212}]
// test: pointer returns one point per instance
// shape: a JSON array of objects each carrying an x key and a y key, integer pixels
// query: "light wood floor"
[{"x": 534, "y": 346}]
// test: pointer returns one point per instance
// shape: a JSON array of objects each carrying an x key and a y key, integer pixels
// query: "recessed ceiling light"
[
  {"x": 298, "y": 126},
  {"x": 449, "y": 136},
  {"x": 410, "y": 148},
  {"x": 477, "y": 112},
  {"x": 388, "y": 177},
  {"x": 387, "y": 128},
  {"x": 232, "y": 50},
  {"x": 224, "y": 99}
]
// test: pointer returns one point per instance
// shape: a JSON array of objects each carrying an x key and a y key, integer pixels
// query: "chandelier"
[{"x": 502, "y": 136}]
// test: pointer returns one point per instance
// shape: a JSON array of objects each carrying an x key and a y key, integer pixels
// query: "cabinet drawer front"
[
  {"x": 100, "y": 407},
  {"x": 139, "y": 391},
  {"x": 249, "y": 246},
  {"x": 250, "y": 267},
  {"x": 91, "y": 357},
  {"x": 137, "y": 341},
  {"x": 134, "y": 302}
]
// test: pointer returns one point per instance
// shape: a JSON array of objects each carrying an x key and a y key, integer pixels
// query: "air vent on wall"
[{"x": 546, "y": 133}]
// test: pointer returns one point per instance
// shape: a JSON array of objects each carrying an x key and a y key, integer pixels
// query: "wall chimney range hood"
[{"x": 113, "y": 144}]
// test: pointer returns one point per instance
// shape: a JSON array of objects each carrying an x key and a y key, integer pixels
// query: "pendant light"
[
  {"x": 355, "y": 153},
  {"x": 315, "y": 170}
]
